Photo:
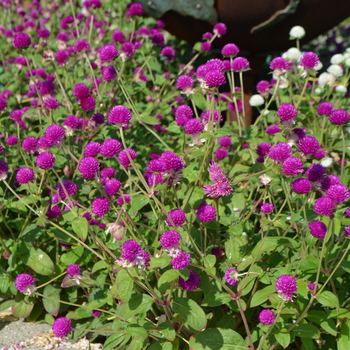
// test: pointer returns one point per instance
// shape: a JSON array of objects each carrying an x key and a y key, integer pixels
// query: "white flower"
[
  {"x": 326, "y": 162},
  {"x": 297, "y": 32},
  {"x": 264, "y": 179},
  {"x": 293, "y": 54},
  {"x": 347, "y": 62},
  {"x": 341, "y": 89},
  {"x": 326, "y": 79},
  {"x": 256, "y": 100},
  {"x": 319, "y": 66},
  {"x": 318, "y": 91},
  {"x": 337, "y": 59},
  {"x": 336, "y": 70}
]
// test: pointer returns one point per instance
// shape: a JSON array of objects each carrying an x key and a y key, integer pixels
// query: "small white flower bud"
[
  {"x": 256, "y": 100},
  {"x": 293, "y": 54},
  {"x": 337, "y": 59},
  {"x": 297, "y": 32},
  {"x": 336, "y": 70}
]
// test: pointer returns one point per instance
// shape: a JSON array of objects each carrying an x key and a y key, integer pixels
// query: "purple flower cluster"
[
  {"x": 133, "y": 255},
  {"x": 221, "y": 186},
  {"x": 286, "y": 286}
]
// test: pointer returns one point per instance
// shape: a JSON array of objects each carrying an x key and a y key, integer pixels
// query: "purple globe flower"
[
  {"x": 88, "y": 167},
  {"x": 21, "y": 41},
  {"x": 98, "y": 118},
  {"x": 286, "y": 286},
  {"x": 191, "y": 283},
  {"x": 182, "y": 114},
  {"x": 108, "y": 53},
  {"x": 61, "y": 327},
  {"x": 134, "y": 9},
  {"x": 318, "y": 229},
  {"x": 225, "y": 141},
  {"x": 118, "y": 36},
  {"x": 51, "y": 103},
  {"x": 100, "y": 206},
  {"x": 287, "y": 112},
  {"x": 309, "y": 60},
  {"x": 213, "y": 116},
  {"x": 220, "y": 29},
  {"x": 177, "y": 217},
  {"x": 88, "y": 104},
  {"x": 324, "y": 206},
  {"x": 71, "y": 121},
  {"x": 184, "y": 83},
  {"x": 206, "y": 46},
  {"x": 240, "y": 64},
  {"x": 308, "y": 145},
  {"x": 273, "y": 129},
  {"x": 214, "y": 78},
  {"x": 347, "y": 231},
  {"x": 172, "y": 161},
  {"x": 43, "y": 33},
  {"x": 221, "y": 153},
  {"x": 110, "y": 148},
  {"x": 267, "y": 317},
  {"x": 53, "y": 212},
  {"x": 181, "y": 261},
  {"x": 338, "y": 193},
  {"x": 280, "y": 152},
  {"x": 109, "y": 73},
  {"x": 263, "y": 149},
  {"x": 120, "y": 116},
  {"x": 292, "y": 166},
  {"x": 45, "y": 160},
  {"x": 73, "y": 270},
  {"x": 267, "y": 208},
  {"x": 194, "y": 126},
  {"x": 25, "y": 175},
  {"x": 315, "y": 172},
  {"x": 54, "y": 134},
  {"x": 62, "y": 57},
  {"x": 67, "y": 188},
  {"x": 312, "y": 286},
  {"x": 231, "y": 276},
  {"x": 301, "y": 185},
  {"x": 156, "y": 166},
  {"x": 263, "y": 87},
  {"x": 112, "y": 186},
  {"x": 12, "y": 140},
  {"x": 230, "y": 50},
  {"x": 218, "y": 189},
  {"x": 279, "y": 63},
  {"x": 169, "y": 239},
  {"x": 81, "y": 91},
  {"x": 206, "y": 212},
  {"x": 130, "y": 250},
  {"x": 339, "y": 117},
  {"x": 125, "y": 156},
  {"x": 108, "y": 173},
  {"x": 92, "y": 149},
  {"x": 25, "y": 283},
  {"x": 168, "y": 52},
  {"x": 325, "y": 108}
]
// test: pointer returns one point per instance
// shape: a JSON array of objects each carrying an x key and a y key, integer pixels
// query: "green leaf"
[
  {"x": 39, "y": 261},
  {"x": 51, "y": 306},
  {"x": 209, "y": 260},
  {"x": 283, "y": 338},
  {"x": 191, "y": 312},
  {"x": 262, "y": 295},
  {"x": 138, "y": 202},
  {"x": 166, "y": 278},
  {"x": 343, "y": 342},
  {"x": 80, "y": 227},
  {"x": 239, "y": 168},
  {"x": 102, "y": 264},
  {"x": 137, "y": 331},
  {"x": 150, "y": 120},
  {"x": 271, "y": 243},
  {"x": 306, "y": 331},
  {"x": 217, "y": 339},
  {"x": 124, "y": 285},
  {"x": 21, "y": 306},
  {"x": 138, "y": 303},
  {"x": 323, "y": 320},
  {"x": 238, "y": 201},
  {"x": 235, "y": 248},
  {"x": 113, "y": 341},
  {"x": 327, "y": 298},
  {"x": 340, "y": 313},
  {"x": 216, "y": 298},
  {"x": 167, "y": 330},
  {"x": 309, "y": 264},
  {"x": 199, "y": 101}
]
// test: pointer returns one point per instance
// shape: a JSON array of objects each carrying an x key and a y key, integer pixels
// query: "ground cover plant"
[{"x": 131, "y": 209}]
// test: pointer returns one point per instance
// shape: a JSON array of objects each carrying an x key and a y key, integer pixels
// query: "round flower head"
[
  {"x": 308, "y": 145},
  {"x": 318, "y": 229},
  {"x": 267, "y": 317},
  {"x": 125, "y": 156},
  {"x": 339, "y": 117},
  {"x": 88, "y": 104},
  {"x": 214, "y": 78},
  {"x": 4, "y": 168},
  {"x": 3, "y": 103},
  {"x": 158, "y": 39},
  {"x": 311, "y": 286},
  {"x": 25, "y": 283},
  {"x": 81, "y": 91},
  {"x": 191, "y": 283},
  {"x": 181, "y": 261},
  {"x": 169, "y": 239},
  {"x": 88, "y": 167},
  {"x": 273, "y": 129},
  {"x": 45, "y": 160},
  {"x": 325, "y": 108},
  {"x": 43, "y": 33},
  {"x": 112, "y": 186},
  {"x": 256, "y": 100},
  {"x": 25, "y": 175},
  {"x": 109, "y": 73},
  {"x": 230, "y": 50},
  {"x": 51, "y": 103},
  {"x": 12, "y": 140},
  {"x": 184, "y": 83},
  {"x": 98, "y": 118},
  {"x": 231, "y": 276},
  {"x": 21, "y": 41},
  {"x": 92, "y": 149},
  {"x": 82, "y": 45},
  {"x": 100, "y": 206},
  {"x": 263, "y": 87},
  {"x": 336, "y": 70},
  {"x": 220, "y": 29},
  {"x": 156, "y": 166},
  {"x": 128, "y": 49},
  {"x": 123, "y": 199},
  {"x": 267, "y": 208},
  {"x": 213, "y": 116},
  {"x": 263, "y": 149},
  {"x": 221, "y": 153},
  {"x": 118, "y": 36},
  {"x": 67, "y": 188},
  {"x": 280, "y": 152},
  {"x": 172, "y": 161},
  {"x": 134, "y": 9},
  {"x": 54, "y": 134},
  {"x": 225, "y": 141},
  {"x": 182, "y": 114},
  {"x": 177, "y": 217},
  {"x": 301, "y": 185},
  {"x": 286, "y": 286},
  {"x": 315, "y": 172},
  {"x": 130, "y": 250},
  {"x": 206, "y": 212},
  {"x": 324, "y": 206},
  {"x": 168, "y": 52},
  {"x": 110, "y": 148},
  {"x": 287, "y": 112},
  {"x": 73, "y": 270},
  {"x": 53, "y": 212},
  {"x": 108, "y": 53},
  {"x": 309, "y": 60},
  {"x": 292, "y": 166},
  {"x": 240, "y": 64},
  {"x": 108, "y": 173},
  {"x": 194, "y": 126},
  {"x": 278, "y": 63},
  {"x": 120, "y": 116},
  {"x": 61, "y": 327},
  {"x": 297, "y": 32},
  {"x": 72, "y": 122},
  {"x": 62, "y": 57},
  {"x": 338, "y": 193}
]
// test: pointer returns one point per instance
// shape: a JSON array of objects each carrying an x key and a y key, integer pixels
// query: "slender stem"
[
  {"x": 246, "y": 326},
  {"x": 55, "y": 278}
]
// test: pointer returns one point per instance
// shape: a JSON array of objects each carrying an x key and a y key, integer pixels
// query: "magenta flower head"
[
  {"x": 67, "y": 188},
  {"x": 220, "y": 29},
  {"x": 308, "y": 145},
  {"x": 182, "y": 114},
  {"x": 191, "y": 283},
  {"x": 134, "y": 9},
  {"x": 61, "y": 327},
  {"x": 12, "y": 140},
  {"x": 73, "y": 270},
  {"x": 92, "y": 149},
  {"x": 172, "y": 161},
  {"x": 156, "y": 166},
  {"x": 62, "y": 57},
  {"x": 125, "y": 156},
  {"x": 118, "y": 36},
  {"x": 206, "y": 212},
  {"x": 25, "y": 175},
  {"x": 325, "y": 108},
  {"x": 213, "y": 116},
  {"x": 214, "y": 78},
  {"x": 230, "y": 50},
  {"x": 168, "y": 52},
  {"x": 100, "y": 206},
  {"x": 109, "y": 73},
  {"x": 130, "y": 250},
  {"x": 273, "y": 129},
  {"x": 267, "y": 208},
  {"x": 279, "y": 63},
  {"x": 309, "y": 60},
  {"x": 110, "y": 148},
  {"x": 225, "y": 141},
  {"x": 112, "y": 186},
  {"x": 81, "y": 91},
  {"x": 88, "y": 104},
  {"x": 21, "y": 41},
  {"x": 194, "y": 126},
  {"x": 292, "y": 166},
  {"x": 184, "y": 83},
  {"x": 43, "y": 33},
  {"x": 324, "y": 206},
  {"x": 4, "y": 168},
  {"x": 286, "y": 286},
  {"x": 318, "y": 229},
  {"x": 176, "y": 217},
  {"x": 301, "y": 185},
  {"x": 315, "y": 172},
  {"x": 25, "y": 283},
  {"x": 30, "y": 144},
  {"x": 170, "y": 239},
  {"x": 338, "y": 193},
  {"x": 51, "y": 103},
  {"x": 287, "y": 112},
  {"x": 45, "y": 160},
  {"x": 267, "y": 317},
  {"x": 263, "y": 149},
  {"x": 263, "y": 87},
  {"x": 221, "y": 153},
  {"x": 231, "y": 276},
  {"x": 54, "y": 134},
  {"x": 280, "y": 152},
  {"x": 240, "y": 64},
  {"x": 89, "y": 167},
  {"x": 339, "y": 117},
  {"x": 120, "y": 116},
  {"x": 181, "y": 261},
  {"x": 108, "y": 53}
]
